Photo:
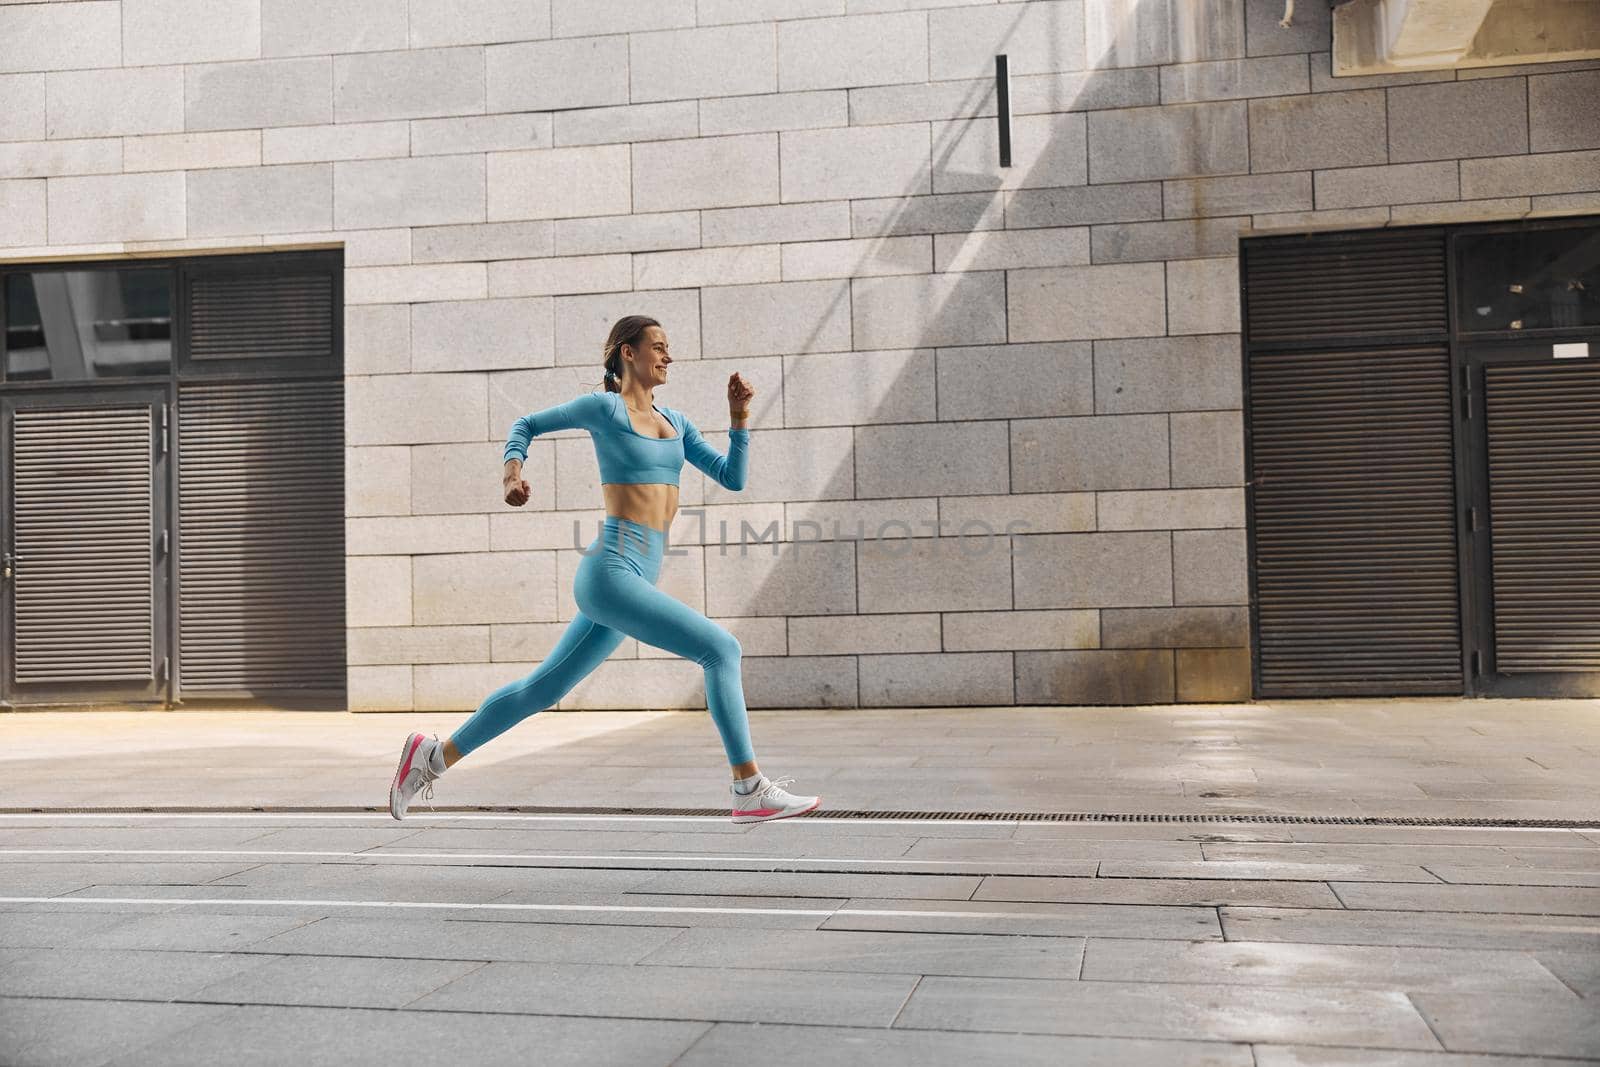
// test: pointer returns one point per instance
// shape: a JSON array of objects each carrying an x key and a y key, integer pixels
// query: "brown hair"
[{"x": 628, "y": 330}]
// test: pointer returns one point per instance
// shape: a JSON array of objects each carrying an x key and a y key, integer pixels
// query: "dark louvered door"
[
  {"x": 1536, "y": 456},
  {"x": 1353, "y": 535},
  {"x": 261, "y": 539},
  {"x": 85, "y": 575}
]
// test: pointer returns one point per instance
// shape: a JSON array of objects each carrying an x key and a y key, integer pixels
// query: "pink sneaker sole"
[
  {"x": 769, "y": 815},
  {"x": 408, "y": 752}
]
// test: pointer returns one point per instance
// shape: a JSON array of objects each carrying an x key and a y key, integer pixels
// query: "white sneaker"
[
  {"x": 770, "y": 801},
  {"x": 414, "y": 773}
]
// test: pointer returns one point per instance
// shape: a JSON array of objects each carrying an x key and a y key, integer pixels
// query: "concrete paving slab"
[
  {"x": 1506, "y": 899},
  {"x": 1580, "y": 971},
  {"x": 1449, "y": 930},
  {"x": 730, "y": 1045},
  {"x": 33, "y": 929},
  {"x": 335, "y": 981},
  {"x": 891, "y": 953},
  {"x": 1058, "y": 851},
  {"x": 408, "y": 937},
  {"x": 47, "y": 1032},
  {"x": 1046, "y": 920},
  {"x": 1368, "y": 853},
  {"x": 812, "y": 884},
  {"x": 1543, "y": 1026},
  {"x": 1515, "y": 876},
  {"x": 189, "y": 933},
  {"x": 714, "y": 994},
  {"x": 112, "y": 975},
  {"x": 1173, "y": 1010},
  {"x": 1266, "y": 870},
  {"x": 1205, "y": 892},
  {"x": 1315, "y": 1056},
  {"x": 1407, "y": 969}
]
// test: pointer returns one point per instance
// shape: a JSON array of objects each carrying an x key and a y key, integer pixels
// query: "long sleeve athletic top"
[{"x": 627, "y": 456}]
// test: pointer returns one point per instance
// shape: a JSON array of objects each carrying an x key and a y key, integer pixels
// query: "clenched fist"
[
  {"x": 516, "y": 490},
  {"x": 740, "y": 393}
]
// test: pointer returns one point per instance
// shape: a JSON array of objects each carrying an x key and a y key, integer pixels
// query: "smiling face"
[{"x": 651, "y": 358}]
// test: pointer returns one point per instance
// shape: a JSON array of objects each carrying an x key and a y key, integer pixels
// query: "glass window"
[
  {"x": 78, "y": 325},
  {"x": 1534, "y": 279}
]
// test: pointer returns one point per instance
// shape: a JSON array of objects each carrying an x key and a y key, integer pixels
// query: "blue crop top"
[{"x": 628, "y": 456}]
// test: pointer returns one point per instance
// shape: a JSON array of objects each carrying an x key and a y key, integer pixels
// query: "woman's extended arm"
[
  {"x": 580, "y": 413},
  {"x": 728, "y": 470}
]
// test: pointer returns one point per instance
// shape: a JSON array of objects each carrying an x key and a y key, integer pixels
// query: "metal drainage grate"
[{"x": 848, "y": 813}]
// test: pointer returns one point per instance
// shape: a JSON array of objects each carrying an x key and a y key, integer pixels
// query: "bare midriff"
[{"x": 653, "y": 504}]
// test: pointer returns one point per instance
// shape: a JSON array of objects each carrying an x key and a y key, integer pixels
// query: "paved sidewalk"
[{"x": 345, "y": 937}]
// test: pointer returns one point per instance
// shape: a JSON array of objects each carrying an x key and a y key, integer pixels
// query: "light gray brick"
[
  {"x": 804, "y": 464},
  {"x": 414, "y": 409},
  {"x": 857, "y": 388},
  {"x": 379, "y": 688},
  {"x": 378, "y": 481},
  {"x": 495, "y": 240},
  {"x": 116, "y": 207},
  {"x": 1319, "y": 131},
  {"x": 857, "y": 259},
  {"x": 1234, "y": 79},
  {"x": 905, "y": 574},
  {"x": 1015, "y": 381},
  {"x": 441, "y": 23},
  {"x": 956, "y": 213},
  {"x": 761, "y": 320},
  {"x": 809, "y": 579},
  {"x": 689, "y": 64},
  {"x": 22, "y": 119},
  {"x": 418, "y": 644},
  {"x": 480, "y": 133},
  {"x": 434, "y": 190},
  {"x": 1207, "y": 449},
  {"x": 416, "y": 535},
  {"x": 627, "y": 233},
  {"x": 1089, "y": 454},
  {"x": 852, "y": 163},
  {"x": 426, "y": 83},
  {"x": 318, "y": 144},
  {"x": 462, "y": 335},
  {"x": 949, "y": 679},
  {"x": 669, "y": 682},
  {"x": 921, "y": 102},
  {"x": 1047, "y": 150},
  {"x": 1093, "y": 570},
  {"x": 559, "y": 275},
  {"x": 706, "y": 172},
  {"x": 1171, "y": 509},
  {"x": 22, "y": 213},
  {"x": 1141, "y": 33},
  {"x": 1004, "y": 631},
  {"x": 1254, "y": 194},
  {"x": 583, "y": 322},
  {"x": 1203, "y": 296},
  {"x": 930, "y": 459},
  {"x": 370, "y": 248},
  {"x": 1096, "y": 677},
  {"x": 1002, "y": 250},
  {"x": 1311, "y": 31},
  {"x": 189, "y": 31},
  {"x": 838, "y": 53},
  {"x": 859, "y": 520},
  {"x": 638, "y": 122},
  {"x": 1323, "y": 81},
  {"x": 1219, "y": 627},
  {"x": 1038, "y": 38},
  {"x": 1090, "y": 90},
  {"x": 1554, "y": 172},
  {"x": 579, "y": 18},
  {"x": 377, "y": 339},
  {"x": 917, "y": 311},
  {"x": 414, "y": 284},
  {"x": 456, "y": 479},
  {"x": 817, "y": 221},
  {"x": 776, "y": 111},
  {"x": 110, "y": 103},
  {"x": 1341, "y": 219},
  {"x": 1458, "y": 120},
  {"x": 1082, "y": 303},
  {"x": 550, "y": 75},
  {"x": 1134, "y": 242},
  {"x": 62, "y": 159},
  {"x": 553, "y": 183},
  {"x": 277, "y": 92},
  {"x": 34, "y": 35},
  {"x": 800, "y": 681},
  {"x": 1027, "y": 208},
  {"x": 378, "y": 591},
  {"x": 483, "y": 587},
  {"x": 312, "y": 27},
  {"x": 1567, "y": 203},
  {"x": 1016, "y": 513},
  {"x": 1167, "y": 374},
  {"x": 740, "y": 265},
  {"x": 248, "y": 200},
  {"x": 1208, "y": 567},
  {"x": 1460, "y": 210},
  {"x": 1405, "y": 183},
  {"x": 834, "y": 635},
  {"x": 192, "y": 151},
  {"x": 1178, "y": 141},
  {"x": 1561, "y": 111},
  {"x": 714, "y": 12}
]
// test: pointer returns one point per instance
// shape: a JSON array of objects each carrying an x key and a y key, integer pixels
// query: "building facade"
[{"x": 999, "y": 437}]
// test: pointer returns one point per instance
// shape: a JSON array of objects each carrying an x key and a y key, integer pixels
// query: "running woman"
[{"x": 641, "y": 448}]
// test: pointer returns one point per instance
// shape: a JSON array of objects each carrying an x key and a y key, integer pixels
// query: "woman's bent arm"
[{"x": 583, "y": 412}]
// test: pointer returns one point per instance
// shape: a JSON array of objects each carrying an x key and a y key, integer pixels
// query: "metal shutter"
[
  {"x": 84, "y": 598},
  {"x": 261, "y": 537},
  {"x": 1347, "y": 287},
  {"x": 1544, "y": 501},
  {"x": 261, "y": 315}
]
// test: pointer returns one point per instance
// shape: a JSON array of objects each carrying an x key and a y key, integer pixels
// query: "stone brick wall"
[{"x": 807, "y": 192}]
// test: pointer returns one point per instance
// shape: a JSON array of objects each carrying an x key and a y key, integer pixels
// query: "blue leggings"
[{"x": 617, "y": 597}]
